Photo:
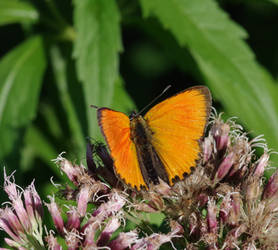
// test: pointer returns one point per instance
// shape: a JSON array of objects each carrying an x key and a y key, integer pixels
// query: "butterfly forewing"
[
  {"x": 177, "y": 124},
  {"x": 115, "y": 127}
]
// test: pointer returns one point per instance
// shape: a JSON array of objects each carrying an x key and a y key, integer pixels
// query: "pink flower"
[
  {"x": 23, "y": 220},
  {"x": 56, "y": 215}
]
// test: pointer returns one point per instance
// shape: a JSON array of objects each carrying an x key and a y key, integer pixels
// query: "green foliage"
[
  {"x": 14, "y": 11},
  {"x": 96, "y": 51},
  {"x": 225, "y": 60},
  {"x": 60, "y": 57},
  {"x": 20, "y": 84}
]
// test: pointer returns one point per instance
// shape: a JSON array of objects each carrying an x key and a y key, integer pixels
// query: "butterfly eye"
[{"x": 132, "y": 115}]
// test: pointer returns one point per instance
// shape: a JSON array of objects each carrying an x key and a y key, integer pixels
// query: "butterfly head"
[{"x": 133, "y": 115}]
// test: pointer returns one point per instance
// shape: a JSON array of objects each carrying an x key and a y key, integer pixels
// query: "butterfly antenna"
[
  {"x": 154, "y": 100},
  {"x": 94, "y": 106}
]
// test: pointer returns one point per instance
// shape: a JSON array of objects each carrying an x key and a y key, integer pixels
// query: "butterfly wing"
[
  {"x": 115, "y": 127},
  {"x": 177, "y": 124}
]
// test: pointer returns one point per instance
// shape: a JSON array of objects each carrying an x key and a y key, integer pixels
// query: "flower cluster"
[
  {"x": 225, "y": 203},
  {"x": 23, "y": 220},
  {"x": 101, "y": 227}
]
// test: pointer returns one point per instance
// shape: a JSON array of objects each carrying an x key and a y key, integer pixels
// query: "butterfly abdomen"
[{"x": 149, "y": 162}]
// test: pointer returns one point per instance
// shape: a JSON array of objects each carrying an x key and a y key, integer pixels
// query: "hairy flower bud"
[
  {"x": 70, "y": 170},
  {"x": 56, "y": 215},
  {"x": 220, "y": 132},
  {"x": 261, "y": 165},
  {"x": 73, "y": 219},
  {"x": 110, "y": 228},
  {"x": 207, "y": 149},
  {"x": 271, "y": 187},
  {"x": 234, "y": 215},
  {"x": 225, "y": 166},
  {"x": 211, "y": 217},
  {"x": 124, "y": 240}
]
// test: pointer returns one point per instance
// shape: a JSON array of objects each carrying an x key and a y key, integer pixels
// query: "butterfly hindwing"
[
  {"x": 115, "y": 127},
  {"x": 177, "y": 124}
]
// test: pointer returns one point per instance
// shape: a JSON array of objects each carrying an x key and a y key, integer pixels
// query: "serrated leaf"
[
  {"x": 21, "y": 72},
  {"x": 14, "y": 11},
  {"x": 225, "y": 60},
  {"x": 96, "y": 52}
]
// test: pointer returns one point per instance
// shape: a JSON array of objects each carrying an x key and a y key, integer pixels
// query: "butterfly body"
[
  {"x": 149, "y": 162},
  {"x": 163, "y": 144}
]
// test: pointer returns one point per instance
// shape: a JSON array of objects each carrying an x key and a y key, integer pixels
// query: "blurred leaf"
[
  {"x": 121, "y": 100},
  {"x": 273, "y": 1},
  {"x": 96, "y": 50},
  {"x": 51, "y": 120},
  {"x": 225, "y": 60},
  {"x": 14, "y": 11},
  {"x": 59, "y": 68},
  {"x": 37, "y": 145},
  {"x": 180, "y": 55},
  {"x": 21, "y": 72}
]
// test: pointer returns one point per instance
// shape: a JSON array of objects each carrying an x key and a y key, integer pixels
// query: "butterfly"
[{"x": 163, "y": 144}]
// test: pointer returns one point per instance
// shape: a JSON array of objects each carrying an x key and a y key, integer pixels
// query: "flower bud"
[
  {"x": 234, "y": 215},
  {"x": 107, "y": 232},
  {"x": 220, "y": 132},
  {"x": 33, "y": 203},
  {"x": 73, "y": 219},
  {"x": 13, "y": 244},
  {"x": 225, "y": 166},
  {"x": 73, "y": 239},
  {"x": 83, "y": 199},
  {"x": 111, "y": 207},
  {"x": 162, "y": 188},
  {"x": 22, "y": 214},
  {"x": 124, "y": 240},
  {"x": 211, "y": 217},
  {"x": 70, "y": 170},
  {"x": 156, "y": 201},
  {"x": 52, "y": 242},
  {"x": 207, "y": 149},
  {"x": 225, "y": 208},
  {"x": 10, "y": 224},
  {"x": 10, "y": 186},
  {"x": 90, "y": 233},
  {"x": 252, "y": 189},
  {"x": 261, "y": 165},
  {"x": 56, "y": 215},
  {"x": 202, "y": 199},
  {"x": 271, "y": 187}
]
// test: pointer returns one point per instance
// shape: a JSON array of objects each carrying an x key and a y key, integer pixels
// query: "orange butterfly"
[{"x": 163, "y": 144}]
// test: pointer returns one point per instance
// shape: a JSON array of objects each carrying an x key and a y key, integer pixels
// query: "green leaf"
[
  {"x": 273, "y": 1},
  {"x": 21, "y": 72},
  {"x": 59, "y": 68},
  {"x": 96, "y": 50},
  {"x": 14, "y": 11},
  {"x": 37, "y": 145},
  {"x": 121, "y": 100},
  {"x": 227, "y": 63},
  {"x": 51, "y": 120}
]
